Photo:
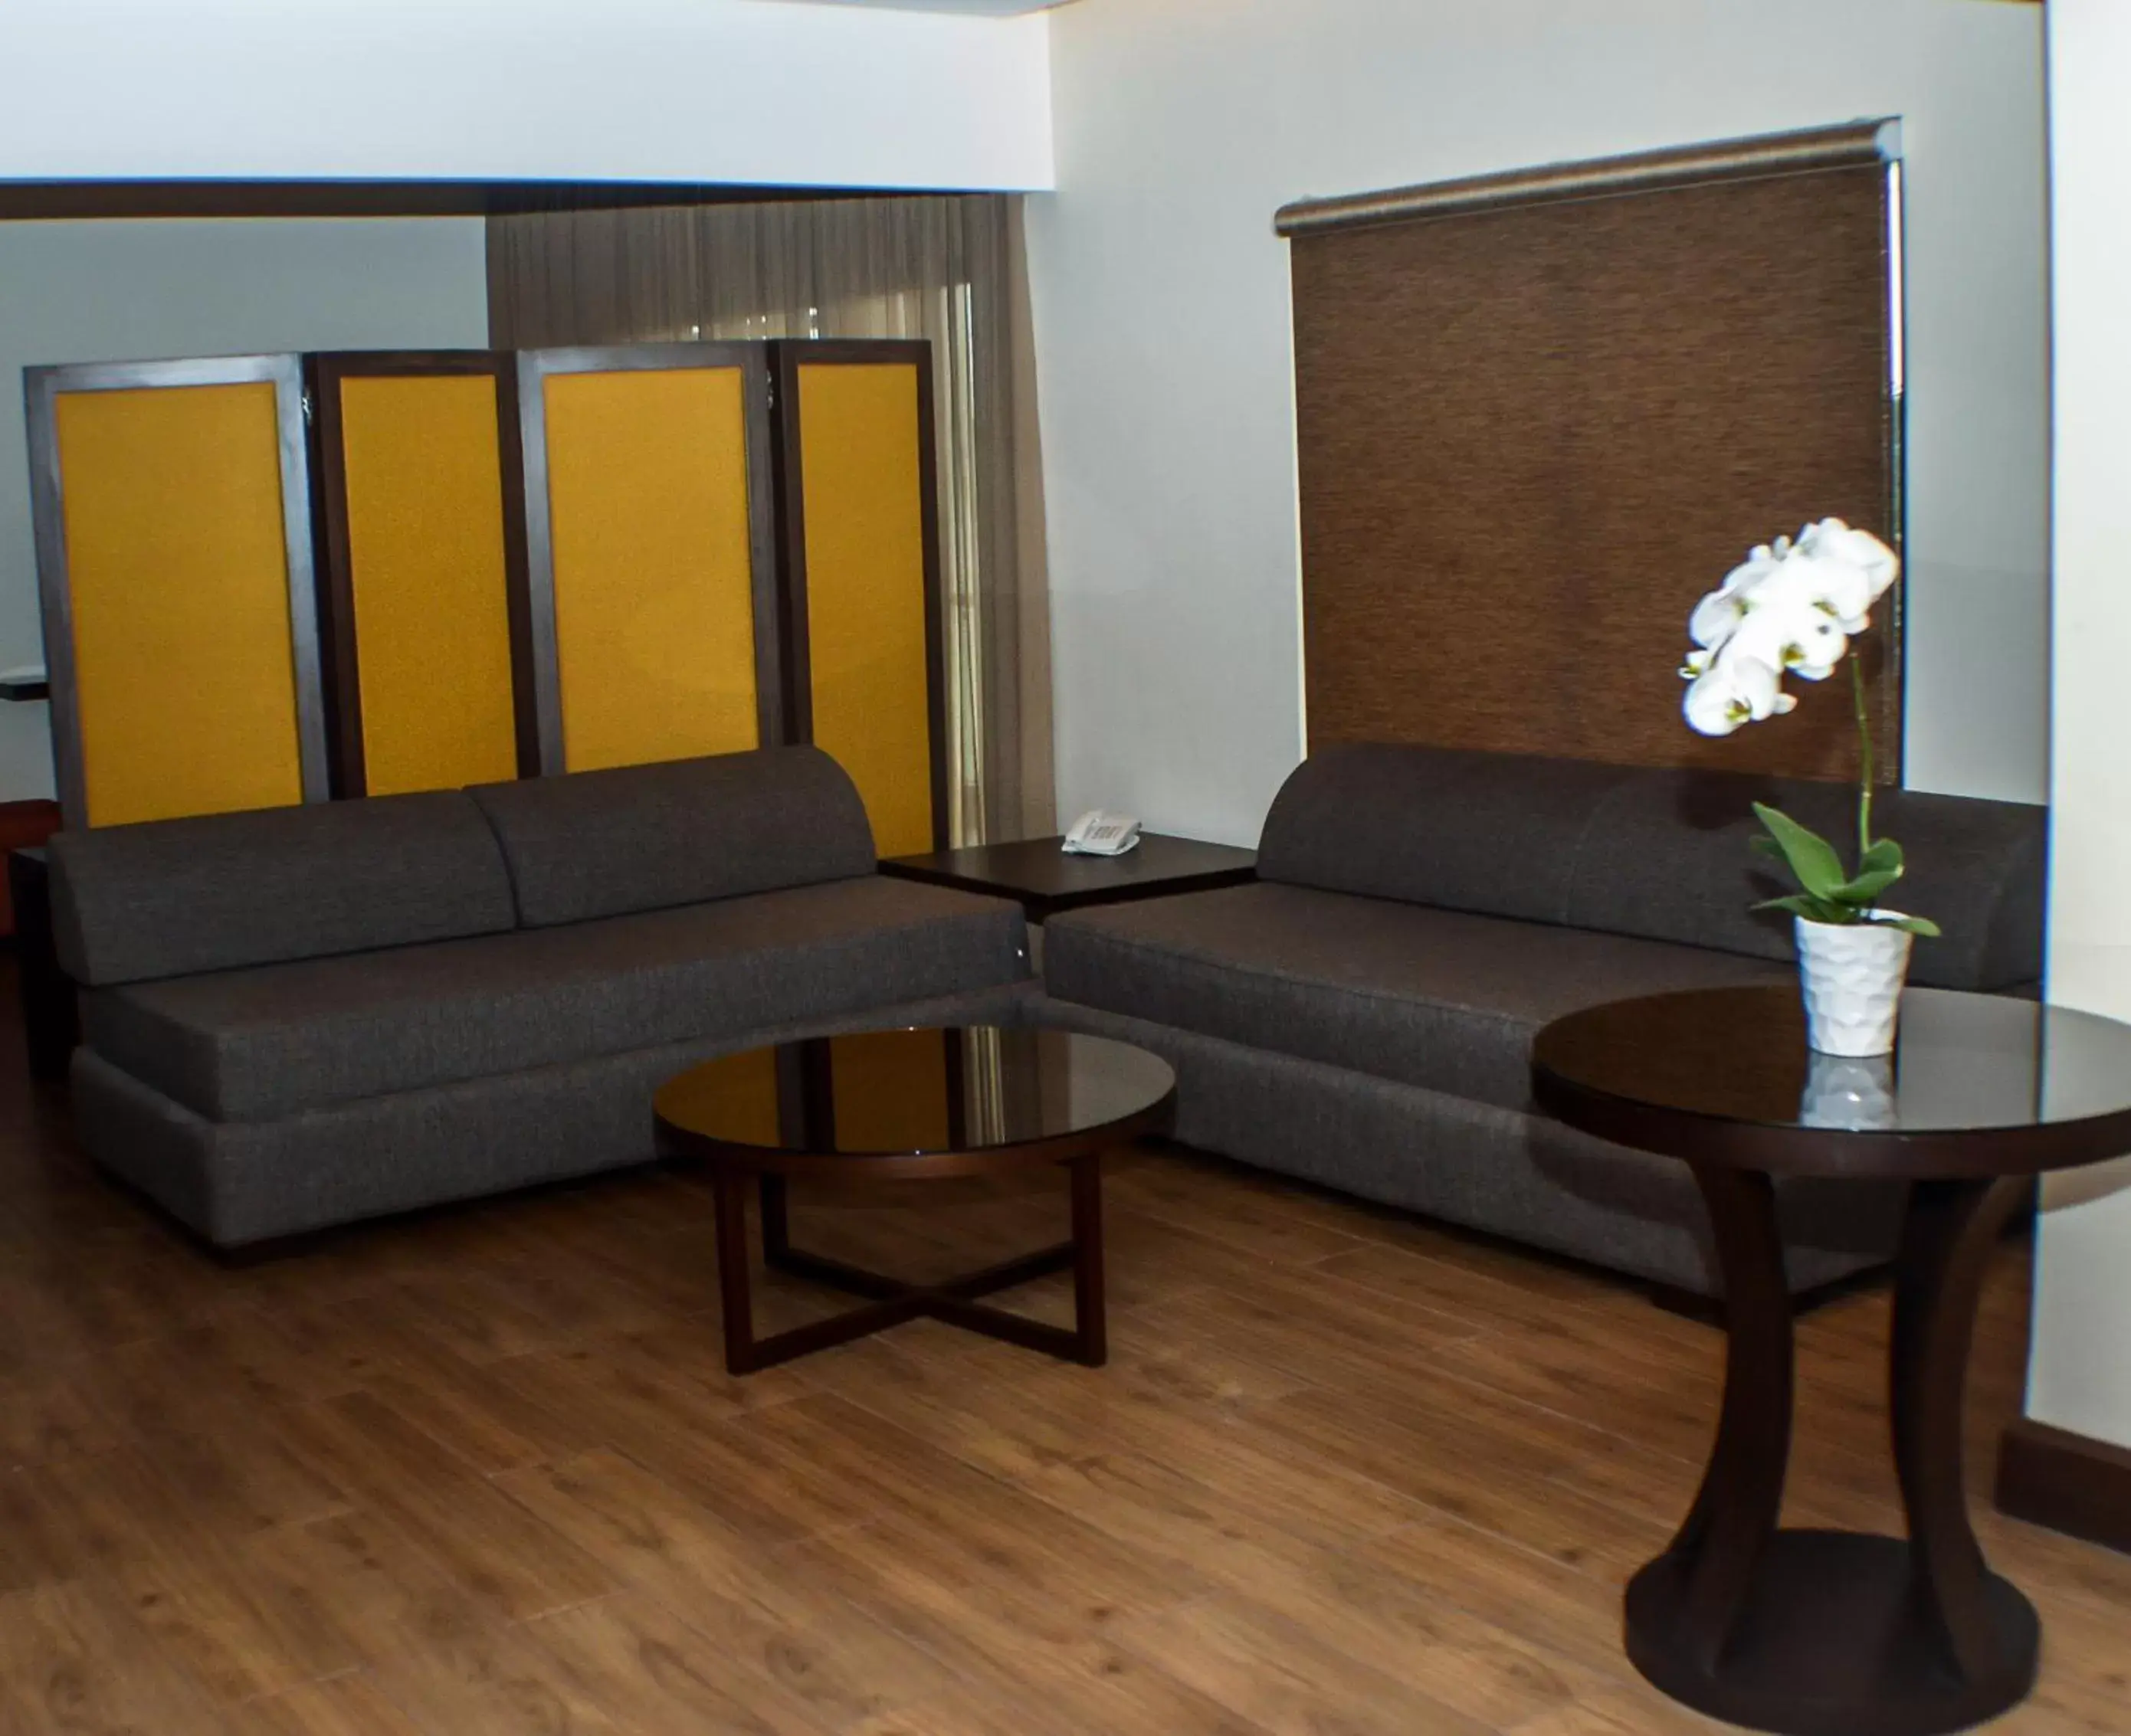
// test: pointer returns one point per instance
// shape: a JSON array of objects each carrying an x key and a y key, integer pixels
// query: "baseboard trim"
[{"x": 2070, "y": 1483}]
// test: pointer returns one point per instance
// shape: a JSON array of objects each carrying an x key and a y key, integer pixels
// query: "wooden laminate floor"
[{"x": 481, "y": 1472}]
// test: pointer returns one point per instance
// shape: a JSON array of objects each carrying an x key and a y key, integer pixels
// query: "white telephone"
[{"x": 1098, "y": 833}]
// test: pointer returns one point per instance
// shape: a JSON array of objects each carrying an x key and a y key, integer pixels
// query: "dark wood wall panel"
[{"x": 1531, "y": 436}]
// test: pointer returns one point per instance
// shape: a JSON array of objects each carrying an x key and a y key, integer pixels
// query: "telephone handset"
[{"x": 1098, "y": 833}]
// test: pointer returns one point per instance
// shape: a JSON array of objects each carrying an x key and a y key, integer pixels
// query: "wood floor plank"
[
  {"x": 1027, "y": 1659},
  {"x": 494, "y": 1682},
  {"x": 222, "y": 1450},
  {"x": 1317, "y": 1330},
  {"x": 1485, "y": 1298},
  {"x": 51, "y": 1419},
  {"x": 812, "y": 1648},
  {"x": 372, "y": 1581},
  {"x": 1276, "y": 1224},
  {"x": 650, "y": 1671},
  {"x": 346, "y": 1705},
  {"x": 1457, "y": 1461},
  {"x": 488, "y": 1542},
  {"x": 1280, "y": 1676},
  {"x": 74, "y": 1518},
  {"x": 72, "y": 1661},
  {"x": 234, "y": 1621}
]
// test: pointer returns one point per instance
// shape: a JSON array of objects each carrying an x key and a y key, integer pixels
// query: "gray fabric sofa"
[
  {"x": 1362, "y": 1016},
  {"x": 302, "y": 1017}
]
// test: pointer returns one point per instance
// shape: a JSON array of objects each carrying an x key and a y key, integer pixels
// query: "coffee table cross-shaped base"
[
  {"x": 894, "y": 1302},
  {"x": 903, "y": 1107},
  {"x": 1816, "y": 1633}
]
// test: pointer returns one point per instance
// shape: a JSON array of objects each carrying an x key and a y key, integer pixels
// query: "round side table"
[{"x": 1835, "y": 1632}]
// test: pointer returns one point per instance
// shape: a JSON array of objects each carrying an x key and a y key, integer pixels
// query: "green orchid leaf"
[
  {"x": 1864, "y": 892},
  {"x": 1811, "y": 856},
  {"x": 1922, "y": 926},
  {"x": 1762, "y": 844},
  {"x": 1885, "y": 856}
]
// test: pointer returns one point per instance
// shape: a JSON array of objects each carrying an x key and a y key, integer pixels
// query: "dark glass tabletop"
[
  {"x": 1977, "y": 1083},
  {"x": 970, "y": 1090}
]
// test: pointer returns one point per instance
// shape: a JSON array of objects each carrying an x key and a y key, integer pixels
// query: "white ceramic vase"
[
  {"x": 1851, "y": 976},
  {"x": 1855, "y": 1092}
]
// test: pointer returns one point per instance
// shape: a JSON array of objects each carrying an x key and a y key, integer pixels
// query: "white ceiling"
[{"x": 989, "y": 8}]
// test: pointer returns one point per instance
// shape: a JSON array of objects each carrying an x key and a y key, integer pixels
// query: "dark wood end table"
[
  {"x": 1835, "y": 1632},
  {"x": 1046, "y": 881},
  {"x": 905, "y": 1107}
]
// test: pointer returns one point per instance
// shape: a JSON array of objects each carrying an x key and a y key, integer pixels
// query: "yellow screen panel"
[
  {"x": 432, "y": 605},
  {"x": 891, "y": 1090},
  {"x": 862, "y": 496},
  {"x": 654, "y": 608},
  {"x": 178, "y": 584}
]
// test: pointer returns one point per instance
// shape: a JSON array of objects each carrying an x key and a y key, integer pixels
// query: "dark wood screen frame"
[
  {"x": 1871, "y": 146},
  {"x": 325, "y": 372},
  {"x": 788, "y": 356},
  {"x": 42, "y": 388},
  {"x": 535, "y": 368}
]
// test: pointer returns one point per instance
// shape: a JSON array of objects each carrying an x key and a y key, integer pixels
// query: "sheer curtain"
[{"x": 948, "y": 269}]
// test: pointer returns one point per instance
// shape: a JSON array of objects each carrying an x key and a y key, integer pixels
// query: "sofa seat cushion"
[
  {"x": 1428, "y": 997},
  {"x": 253, "y": 1044}
]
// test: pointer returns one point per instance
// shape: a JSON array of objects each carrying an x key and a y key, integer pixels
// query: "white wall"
[
  {"x": 692, "y": 90},
  {"x": 2079, "y": 1375},
  {"x": 133, "y": 290},
  {"x": 1162, "y": 325}
]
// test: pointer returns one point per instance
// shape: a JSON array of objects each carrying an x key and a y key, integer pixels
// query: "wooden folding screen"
[
  {"x": 859, "y": 546},
  {"x": 650, "y": 551},
  {"x": 422, "y": 547},
  {"x": 1539, "y": 414},
  {"x": 561, "y": 561},
  {"x": 171, "y": 502}
]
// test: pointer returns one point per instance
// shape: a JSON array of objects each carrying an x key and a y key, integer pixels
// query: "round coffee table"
[
  {"x": 1828, "y": 1633},
  {"x": 912, "y": 1106}
]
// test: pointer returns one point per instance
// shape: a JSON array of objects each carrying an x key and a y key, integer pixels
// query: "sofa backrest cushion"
[
  {"x": 1493, "y": 834},
  {"x": 641, "y": 838},
  {"x": 175, "y": 897},
  {"x": 1662, "y": 855}
]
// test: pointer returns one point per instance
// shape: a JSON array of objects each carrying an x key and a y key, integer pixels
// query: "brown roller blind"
[{"x": 1539, "y": 417}]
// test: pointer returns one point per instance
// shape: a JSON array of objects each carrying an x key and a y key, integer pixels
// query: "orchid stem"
[{"x": 1863, "y": 761}]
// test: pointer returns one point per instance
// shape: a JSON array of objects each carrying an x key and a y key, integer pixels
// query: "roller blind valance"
[{"x": 1538, "y": 414}]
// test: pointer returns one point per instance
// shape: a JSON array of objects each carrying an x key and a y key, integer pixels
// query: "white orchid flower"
[
  {"x": 1832, "y": 583},
  {"x": 1832, "y": 539},
  {"x": 1791, "y": 627},
  {"x": 1733, "y": 692},
  {"x": 1787, "y": 609},
  {"x": 1719, "y": 614},
  {"x": 1716, "y": 618}
]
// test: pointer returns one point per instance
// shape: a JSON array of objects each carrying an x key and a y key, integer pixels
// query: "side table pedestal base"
[{"x": 1831, "y": 1642}]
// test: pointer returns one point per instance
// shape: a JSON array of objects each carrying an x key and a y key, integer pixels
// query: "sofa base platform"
[
  {"x": 1520, "y": 1176},
  {"x": 242, "y": 1182}
]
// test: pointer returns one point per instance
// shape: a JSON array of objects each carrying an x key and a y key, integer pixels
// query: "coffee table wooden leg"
[
  {"x": 776, "y": 1219},
  {"x": 1089, "y": 1312},
  {"x": 730, "y": 1193}
]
